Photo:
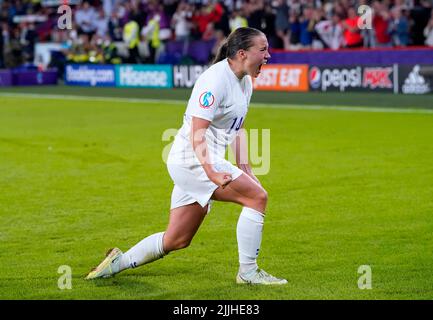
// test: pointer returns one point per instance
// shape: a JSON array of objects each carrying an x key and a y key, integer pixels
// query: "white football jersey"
[{"x": 221, "y": 98}]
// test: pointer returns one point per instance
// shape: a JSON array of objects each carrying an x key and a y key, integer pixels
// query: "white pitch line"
[
  {"x": 254, "y": 105},
  {"x": 344, "y": 108},
  {"x": 87, "y": 98}
]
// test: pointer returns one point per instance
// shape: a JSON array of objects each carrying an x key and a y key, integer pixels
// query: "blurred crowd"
[{"x": 137, "y": 31}]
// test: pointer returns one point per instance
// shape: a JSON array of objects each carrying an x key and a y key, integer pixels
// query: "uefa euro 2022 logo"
[{"x": 206, "y": 100}]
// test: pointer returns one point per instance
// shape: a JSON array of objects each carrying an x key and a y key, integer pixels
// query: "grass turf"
[{"x": 346, "y": 189}]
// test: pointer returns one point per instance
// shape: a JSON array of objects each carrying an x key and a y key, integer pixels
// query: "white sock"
[
  {"x": 147, "y": 250},
  {"x": 249, "y": 234}
]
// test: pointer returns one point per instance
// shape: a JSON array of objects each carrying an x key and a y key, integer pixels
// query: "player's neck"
[{"x": 237, "y": 69}]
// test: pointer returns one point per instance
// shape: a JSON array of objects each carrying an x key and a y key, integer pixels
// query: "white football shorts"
[{"x": 191, "y": 184}]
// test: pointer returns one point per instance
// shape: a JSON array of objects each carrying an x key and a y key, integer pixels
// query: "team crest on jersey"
[{"x": 206, "y": 99}]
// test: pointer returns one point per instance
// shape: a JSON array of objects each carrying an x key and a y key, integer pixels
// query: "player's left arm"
[{"x": 240, "y": 150}]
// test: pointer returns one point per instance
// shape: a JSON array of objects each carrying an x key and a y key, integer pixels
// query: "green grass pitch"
[{"x": 345, "y": 189}]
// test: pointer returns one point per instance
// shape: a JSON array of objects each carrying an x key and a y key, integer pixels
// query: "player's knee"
[
  {"x": 171, "y": 244},
  {"x": 261, "y": 199},
  {"x": 181, "y": 244}
]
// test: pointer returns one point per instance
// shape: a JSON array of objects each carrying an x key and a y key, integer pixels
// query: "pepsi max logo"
[
  {"x": 206, "y": 99},
  {"x": 314, "y": 76}
]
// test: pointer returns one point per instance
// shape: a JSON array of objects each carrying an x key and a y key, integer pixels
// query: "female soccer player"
[{"x": 214, "y": 116}]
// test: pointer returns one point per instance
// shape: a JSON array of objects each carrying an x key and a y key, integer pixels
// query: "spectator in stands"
[
  {"x": 84, "y": 18},
  {"x": 150, "y": 34},
  {"x": 114, "y": 27},
  {"x": 14, "y": 52},
  {"x": 78, "y": 53},
  {"x": 207, "y": 14},
  {"x": 294, "y": 31},
  {"x": 268, "y": 26},
  {"x": 200, "y": 19},
  {"x": 254, "y": 10},
  {"x": 399, "y": 27},
  {"x": 306, "y": 36},
  {"x": 95, "y": 52},
  {"x": 400, "y": 4},
  {"x": 101, "y": 23},
  {"x": 156, "y": 31},
  {"x": 110, "y": 53},
  {"x": 4, "y": 17},
  {"x": 347, "y": 4},
  {"x": 209, "y": 33},
  {"x": 282, "y": 23},
  {"x": 428, "y": 32},
  {"x": 216, "y": 11},
  {"x": 165, "y": 33},
  {"x": 317, "y": 16},
  {"x": 237, "y": 20},
  {"x": 331, "y": 32},
  {"x": 45, "y": 28},
  {"x": 109, "y": 6},
  {"x": 2, "y": 40},
  {"x": 124, "y": 11},
  {"x": 28, "y": 39},
  {"x": 420, "y": 15},
  {"x": 6, "y": 36},
  {"x": 328, "y": 9},
  {"x": 295, "y": 7},
  {"x": 381, "y": 25},
  {"x": 181, "y": 22},
  {"x": 223, "y": 22},
  {"x": 351, "y": 32},
  {"x": 131, "y": 38},
  {"x": 340, "y": 10}
]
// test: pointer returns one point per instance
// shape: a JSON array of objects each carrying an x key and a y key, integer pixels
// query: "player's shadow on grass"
[{"x": 139, "y": 278}]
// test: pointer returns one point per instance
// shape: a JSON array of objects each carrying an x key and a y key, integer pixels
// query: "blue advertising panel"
[
  {"x": 5, "y": 78},
  {"x": 144, "y": 76},
  {"x": 90, "y": 75}
]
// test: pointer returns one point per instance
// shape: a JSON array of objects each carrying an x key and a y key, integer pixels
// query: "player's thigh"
[
  {"x": 244, "y": 191},
  {"x": 183, "y": 225}
]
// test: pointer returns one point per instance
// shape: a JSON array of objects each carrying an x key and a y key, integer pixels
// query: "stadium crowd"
[{"x": 137, "y": 31}]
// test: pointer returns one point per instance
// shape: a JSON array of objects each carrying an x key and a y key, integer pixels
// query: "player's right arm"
[
  {"x": 206, "y": 97},
  {"x": 199, "y": 145}
]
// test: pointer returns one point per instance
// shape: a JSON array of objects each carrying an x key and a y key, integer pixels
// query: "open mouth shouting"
[{"x": 260, "y": 67}]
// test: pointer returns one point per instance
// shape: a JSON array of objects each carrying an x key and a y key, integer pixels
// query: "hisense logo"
[{"x": 130, "y": 76}]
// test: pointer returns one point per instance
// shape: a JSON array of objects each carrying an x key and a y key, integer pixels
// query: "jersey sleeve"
[{"x": 206, "y": 97}]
